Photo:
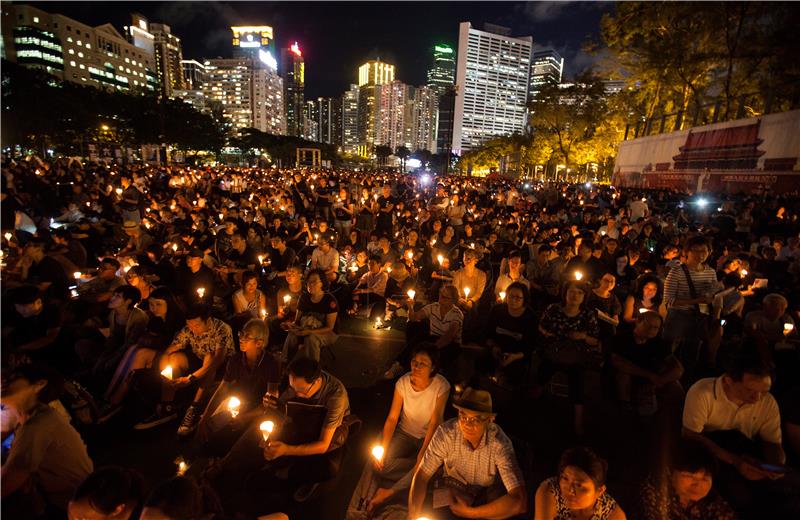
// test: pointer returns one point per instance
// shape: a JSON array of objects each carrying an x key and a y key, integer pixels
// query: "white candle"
[
  {"x": 411, "y": 293},
  {"x": 502, "y": 296},
  {"x": 466, "y": 292},
  {"x": 377, "y": 452},
  {"x": 8, "y": 236},
  {"x": 286, "y": 299},
  {"x": 201, "y": 291},
  {"x": 440, "y": 258},
  {"x": 233, "y": 406},
  {"x": 182, "y": 467},
  {"x": 77, "y": 275},
  {"x": 175, "y": 248},
  {"x": 578, "y": 275},
  {"x": 167, "y": 372},
  {"x": 263, "y": 314},
  {"x": 266, "y": 428},
  {"x": 642, "y": 310},
  {"x": 788, "y": 328}
]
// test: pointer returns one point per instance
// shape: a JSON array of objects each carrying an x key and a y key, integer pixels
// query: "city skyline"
[{"x": 332, "y": 56}]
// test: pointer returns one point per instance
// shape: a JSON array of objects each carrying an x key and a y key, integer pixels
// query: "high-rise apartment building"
[
  {"x": 194, "y": 74},
  {"x": 391, "y": 104},
  {"x": 350, "y": 120},
  {"x": 547, "y": 67},
  {"x": 443, "y": 72},
  {"x": 492, "y": 77},
  {"x": 329, "y": 112},
  {"x": 267, "y": 103},
  {"x": 372, "y": 75},
  {"x": 72, "y": 51},
  {"x": 311, "y": 120},
  {"x": 292, "y": 69},
  {"x": 168, "y": 55},
  {"x": 256, "y": 42},
  {"x": 445, "y": 119},
  {"x": 422, "y": 119},
  {"x": 228, "y": 82}
]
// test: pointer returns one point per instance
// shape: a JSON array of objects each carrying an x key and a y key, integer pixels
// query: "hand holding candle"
[
  {"x": 233, "y": 406},
  {"x": 167, "y": 372},
  {"x": 466, "y": 293},
  {"x": 266, "y": 428},
  {"x": 578, "y": 275},
  {"x": 201, "y": 291},
  {"x": 502, "y": 295},
  {"x": 411, "y": 293},
  {"x": 788, "y": 328}
]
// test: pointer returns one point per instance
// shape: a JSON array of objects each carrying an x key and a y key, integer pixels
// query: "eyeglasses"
[
  {"x": 420, "y": 364},
  {"x": 471, "y": 421},
  {"x": 246, "y": 337}
]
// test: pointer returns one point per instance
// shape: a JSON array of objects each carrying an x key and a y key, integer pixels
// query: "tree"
[
  {"x": 423, "y": 156},
  {"x": 382, "y": 152},
  {"x": 402, "y": 153}
]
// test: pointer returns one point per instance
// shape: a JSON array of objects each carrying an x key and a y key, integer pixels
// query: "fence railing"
[{"x": 745, "y": 106}]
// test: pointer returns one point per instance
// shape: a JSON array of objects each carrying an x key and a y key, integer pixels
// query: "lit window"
[
  {"x": 82, "y": 66},
  {"x": 88, "y": 45},
  {"x": 80, "y": 55},
  {"x": 72, "y": 64},
  {"x": 71, "y": 51},
  {"x": 35, "y": 19},
  {"x": 80, "y": 43}
]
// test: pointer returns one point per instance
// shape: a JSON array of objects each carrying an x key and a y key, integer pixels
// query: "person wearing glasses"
[
  {"x": 248, "y": 373},
  {"x": 480, "y": 467},
  {"x": 417, "y": 410}
]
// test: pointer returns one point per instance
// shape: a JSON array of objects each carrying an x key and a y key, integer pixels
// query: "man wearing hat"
[
  {"x": 474, "y": 452},
  {"x": 139, "y": 240}
]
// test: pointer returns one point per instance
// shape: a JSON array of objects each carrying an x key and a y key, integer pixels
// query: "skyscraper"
[
  {"x": 547, "y": 67},
  {"x": 168, "y": 55},
  {"x": 492, "y": 78},
  {"x": 311, "y": 120},
  {"x": 423, "y": 119},
  {"x": 350, "y": 119},
  {"x": 292, "y": 71},
  {"x": 229, "y": 83},
  {"x": 443, "y": 73},
  {"x": 255, "y": 42},
  {"x": 391, "y": 111},
  {"x": 267, "y": 102},
  {"x": 329, "y": 112},
  {"x": 371, "y": 76},
  {"x": 194, "y": 74}
]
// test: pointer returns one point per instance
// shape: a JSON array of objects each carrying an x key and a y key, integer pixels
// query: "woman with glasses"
[
  {"x": 248, "y": 375},
  {"x": 137, "y": 277},
  {"x": 578, "y": 491},
  {"x": 417, "y": 410}
]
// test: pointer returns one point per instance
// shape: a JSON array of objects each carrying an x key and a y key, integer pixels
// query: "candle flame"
[
  {"x": 76, "y": 275},
  {"x": 411, "y": 293},
  {"x": 502, "y": 296},
  {"x": 578, "y": 275},
  {"x": 466, "y": 292},
  {"x": 167, "y": 372},
  {"x": 377, "y": 452}
]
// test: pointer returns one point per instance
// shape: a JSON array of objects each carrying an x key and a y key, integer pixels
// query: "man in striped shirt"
[
  {"x": 477, "y": 457},
  {"x": 690, "y": 315}
]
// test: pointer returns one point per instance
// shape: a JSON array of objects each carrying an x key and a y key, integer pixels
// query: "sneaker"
[
  {"x": 107, "y": 411},
  {"x": 304, "y": 492},
  {"x": 164, "y": 413},
  {"x": 394, "y": 371},
  {"x": 190, "y": 420}
]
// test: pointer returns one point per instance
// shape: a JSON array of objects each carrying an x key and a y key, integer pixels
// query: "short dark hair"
[
  {"x": 247, "y": 276},
  {"x": 108, "y": 487},
  {"x": 113, "y": 262},
  {"x": 697, "y": 240},
  {"x": 430, "y": 350},
  {"x": 129, "y": 292},
  {"x": 182, "y": 497},
  {"x": 587, "y": 461},
  {"x": 526, "y": 293},
  {"x": 693, "y": 456},
  {"x": 322, "y": 277},
  {"x": 748, "y": 361},
  {"x": 305, "y": 367},
  {"x": 25, "y": 294},
  {"x": 198, "y": 310},
  {"x": 33, "y": 373},
  {"x": 574, "y": 283}
]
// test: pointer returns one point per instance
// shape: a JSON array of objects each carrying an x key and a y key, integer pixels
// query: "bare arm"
[
  {"x": 513, "y": 503},
  {"x": 545, "y": 504},
  {"x": 436, "y": 419},
  {"x": 392, "y": 419},
  {"x": 317, "y": 447},
  {"x": 416, "y": 496}
]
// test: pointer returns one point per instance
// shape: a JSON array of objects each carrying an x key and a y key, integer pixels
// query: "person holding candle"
[
  {"x": 400, "y": 282},
  {"x": 194, "y": 276},
  {"x": 198, "y": 350},
  {"x": 511, "y": 271},
  {"x": 471, "y": 278},
  {"x": 417, "y": 410},
  {"x": 247, "y": 376},
  {"x": 325, "y": 258},
  {"x": 649, "y": 295},
  {"x": 369, "y": 292},
  {"x": 767, "y": 327},
  {"x": 317, "y": 306},
  {"x": 33, "y": 328},
  {"x": 249, "y": 300},
  {"x": 571, "y": 334}
]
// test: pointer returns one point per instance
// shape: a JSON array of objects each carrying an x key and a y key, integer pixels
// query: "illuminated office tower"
[
  {"x": 311, "y": 121},
  {"x": 72, "y": 51},
  {"x": 547, "y": 67},
  {"x": 194, "y": 74},
  {"x": 492, "y": 85},
  {"x": 267, "y": 102},
  {"x": 391, "y": 103},
  {"x": 350, "y": 119},
  {"x": 228, "y": 82},
  {"x": 371, "y": 76},
  {"x": 422, "y": 119},
  {"x": 329, "y": 112},
  {"x": 168, "y": 56},
  {"x": 443, "y": 73},
  {"x": 292, "y": 69}
]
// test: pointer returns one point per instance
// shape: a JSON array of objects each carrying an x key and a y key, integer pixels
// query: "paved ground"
[{"x": 362, "y": 354}]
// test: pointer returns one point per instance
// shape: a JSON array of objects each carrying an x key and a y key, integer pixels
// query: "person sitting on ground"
[
  {"x": 110, "y": 493},
  {"x": 249, "y": 300},
  {"x": 32, "y": 330},
  {"x": 306, "y": 450},
  {"x": 325, "y": 258},
  {"x": 738, "y": 420},
  {"x": 648, "y": 295},
  {"x": 417, "y": 411},
  {"x": 369, "y": 292},
  {"x": 48, "y": 459},
  {"x": 137, "y": 277},
  {"x": 478, "y": 461},
  {"x": 248, "y": 375},
  {"x": 470, "y": 282},
  {"x": 194, "y": 356},
  {"x": 101, "y": 287},
  {"x": 511, "y": 270},
  {"x": 578, "y": 491},
  {"x": 181, "y": 497},
  {"x": 685, "y": 490},
  {"x": 645, "y": 366},
  {"x": 314, "y": 324},
  {"x": 768, "y": 325},
  {"x": 400, "y": 282}
]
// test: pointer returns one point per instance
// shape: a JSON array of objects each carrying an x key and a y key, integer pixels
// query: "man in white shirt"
[
  {"x": 738, "y": 420},
  {"x": 326, "y": 258}
]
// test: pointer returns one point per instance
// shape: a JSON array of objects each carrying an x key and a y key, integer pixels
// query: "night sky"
[{"x": 336, "y": 37}]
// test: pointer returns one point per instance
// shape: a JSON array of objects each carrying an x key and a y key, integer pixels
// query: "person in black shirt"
[
  {"x": 645, "y": 368},
  {"x": 241, "y": 257},
  {"x": 32, "y": 328},
  {"x": 314, "y": 324},
  {"x": 386, "y": 203},
  {"x": 281, "y": 257},
  {"x": 43, "y": 271},
  {"x": 195, "y": 281}
]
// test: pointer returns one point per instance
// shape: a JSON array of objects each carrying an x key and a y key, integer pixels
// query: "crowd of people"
[{"x": 212, "y": 300}]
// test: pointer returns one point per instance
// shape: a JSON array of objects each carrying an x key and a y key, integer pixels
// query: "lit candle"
[
  {"x": 263, "y": 314},
  {"x": 167, "y": 372},
  {"x": 221, "y": 216},
  {"x": 119, "y": 191},
  {"x": 377, "y": 452},
  {"x": 77, "y": 275},
  {"x": 411, "y": 293},
  {"x": 201, "y": 291},
  {"x": 260, "y": 259},
  {"x": 578, "y": 275},
  {"x": 642, "y": 310},
  {"x": 8, "y": 236},
  {"x": 182, "y": 466},
  {"x": 378, "y": 322},
  {"x": 744, "y": 273},
  {"x": 233, "y": 406},
  {"x": 466, "y": 292},
  {"x": 286, "y": 299},
  {"x": 502, "y": 295},
  {"x": 410, "y": 254},
  {"x": 440, "y": 258},
  {"x": 788, "y": 328},
  {"x": 266, "y": 428},
  {"x": 175, "y": 248},
  {"x": 433, "y": 242}
]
